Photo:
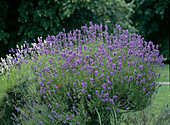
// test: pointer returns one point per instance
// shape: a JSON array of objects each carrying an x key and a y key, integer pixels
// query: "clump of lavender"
[{"x": 92, "y": 76}]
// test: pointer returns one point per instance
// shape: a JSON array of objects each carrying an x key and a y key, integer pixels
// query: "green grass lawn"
[
  {"x": 163, "y": 73},
  {"x": 162, "y": 98}
]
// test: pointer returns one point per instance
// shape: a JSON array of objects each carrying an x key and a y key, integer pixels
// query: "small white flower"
[
  {"x": 3, "y": 60},
  {"x": 21, "y": 51},
  {"x": 50, "y": 44},
  {"x": 21, "y": 47},
  {"x": 45, "y": 41},
  {"x": 29, "y": 49},
  {"x": 33, "y": 44},
  {"x": 2, "y": 70},
  {"x": 17, "y": 46},
  {"x": 17, "y": 54},
  {"x": 7, "y": 67},
  {"x": 39, "y": 38}
]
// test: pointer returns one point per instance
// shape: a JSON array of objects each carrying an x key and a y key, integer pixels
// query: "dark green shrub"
[{"x": 9, "y": 25}]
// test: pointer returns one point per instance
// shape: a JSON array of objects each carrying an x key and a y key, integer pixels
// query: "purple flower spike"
[
  {"x": 43, "y": 79},
  {"x": 137, "y": 83},
  {"x": 143, "y": 89},
  {"x": 139, "y": 75},
  {"x": 7, "y": 102},
  {"x": 91, "y": 79},
  {"x": 57, "y": 104},
  {"x": 68, "y": 119},
  {"x": 50, "y": 116},
  {"x": 49, "y": 105},
  {"x": 40, "y": 83},
  {"x": 108, "y": 108},
  {"x": 89, "y": 96},
  {"x": 118, "y": 110},
  {"x": 130, "y": 77},
  {"x": 109, "y": 82},
  {"x": 68, "y": 93},
  {"x": 52, "y": 111},
  {"x": 114, "y": 96},
  {"x": 41, "y": 122}
]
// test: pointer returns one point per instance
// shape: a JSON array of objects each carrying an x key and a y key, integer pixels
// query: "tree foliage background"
[
  {"x": 151, "y": 18},
  {"x": 25, "y": 20}
]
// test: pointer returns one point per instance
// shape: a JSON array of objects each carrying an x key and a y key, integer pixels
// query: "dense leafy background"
[
  {"x": 25, "y": 20},
  {"x": 151, "y": 18},
  {"x": 9, "y": 25}
]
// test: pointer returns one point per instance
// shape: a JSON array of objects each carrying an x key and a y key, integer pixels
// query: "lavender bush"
[{"x": 86, "y": 77}]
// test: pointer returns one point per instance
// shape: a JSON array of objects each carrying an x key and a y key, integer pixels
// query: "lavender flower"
[
  {"x": 89, "y": 96},
  {"x": 114, "y": 96}
]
